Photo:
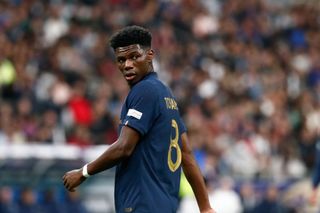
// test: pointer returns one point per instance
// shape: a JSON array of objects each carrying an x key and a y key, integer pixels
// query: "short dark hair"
[{"x": 131, "y": 35}]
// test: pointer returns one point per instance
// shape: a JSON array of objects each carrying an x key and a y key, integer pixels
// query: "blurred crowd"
[
  {"x": 27, "y": 200},
  {"x": 246, "y": 75}
]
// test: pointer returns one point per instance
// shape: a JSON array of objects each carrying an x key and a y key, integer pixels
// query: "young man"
[{"x": 152, "y": 144}]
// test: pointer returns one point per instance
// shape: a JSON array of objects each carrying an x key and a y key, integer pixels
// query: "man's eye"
[
  {"x": 135, "y": 57},
  {"x": 120, "y": 61}
]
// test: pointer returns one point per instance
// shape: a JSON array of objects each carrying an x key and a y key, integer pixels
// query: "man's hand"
[
  {"x": 72, "y": 179},
  {"x": 208, "y": 211}
]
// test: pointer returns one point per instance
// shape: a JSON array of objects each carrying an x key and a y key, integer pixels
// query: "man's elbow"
[{"x": 125, "y": 151}]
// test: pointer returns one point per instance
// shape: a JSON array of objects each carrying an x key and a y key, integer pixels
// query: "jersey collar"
[{"x": 151, "y": 74}]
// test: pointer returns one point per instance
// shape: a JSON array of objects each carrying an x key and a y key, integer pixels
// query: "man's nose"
[{"x": 128, "y": 64}]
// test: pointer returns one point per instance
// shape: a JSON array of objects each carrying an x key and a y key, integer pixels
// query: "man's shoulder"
[
  {"x": 145, "y": 90},
  {"x": 149, "y": 85}
]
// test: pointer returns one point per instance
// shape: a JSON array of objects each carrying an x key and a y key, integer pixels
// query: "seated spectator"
[
  {"x": 50, "y": 204},
  {"x": 224, "y": 198},
  {"x": 28, "y": 202},
  {"x": 73, "y": 203},
  {"x": 271, "y": 202},
  {"x": 7, "y": 204}
]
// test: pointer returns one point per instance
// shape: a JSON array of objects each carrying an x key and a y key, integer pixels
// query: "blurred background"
[{"x": 246, "y": 75}]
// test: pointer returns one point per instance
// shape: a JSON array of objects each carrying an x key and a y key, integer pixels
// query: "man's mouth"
[{"x": 129, "y": 76}]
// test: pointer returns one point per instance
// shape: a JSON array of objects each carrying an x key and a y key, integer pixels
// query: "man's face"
[{"x": 134, "y": 62}]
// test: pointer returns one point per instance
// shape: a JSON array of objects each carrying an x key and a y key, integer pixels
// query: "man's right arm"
[{"x": 194, "y": 177}]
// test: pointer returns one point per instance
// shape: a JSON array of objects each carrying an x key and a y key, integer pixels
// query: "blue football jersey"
[{"x": 149, "y": 180}]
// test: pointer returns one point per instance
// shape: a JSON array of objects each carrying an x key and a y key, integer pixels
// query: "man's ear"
[{"x": 150, "y": 55}]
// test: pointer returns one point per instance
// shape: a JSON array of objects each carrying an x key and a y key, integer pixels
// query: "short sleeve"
[{"x": 143, "y": 107}]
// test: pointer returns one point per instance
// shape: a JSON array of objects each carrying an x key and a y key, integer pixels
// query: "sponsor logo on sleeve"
[{"x": 134, "y": 113}]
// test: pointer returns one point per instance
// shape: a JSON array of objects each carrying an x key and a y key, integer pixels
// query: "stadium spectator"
[
  {"x": 270, "y": 202},
  {"x": 73, "y": 203},
  {"x": 49, "y": 204},
  {"x": 28, "y": 201},
  {"x": 248, "y": 197},
  {"x": 7, "y": 203},
  {"x": 225, "y": 193},
  {"x": 315, "y": 178}
]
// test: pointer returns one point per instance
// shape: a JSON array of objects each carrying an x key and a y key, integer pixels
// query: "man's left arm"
[
  {"x": 115, "y": 153},
  {"x": 194, "y": 177}
]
